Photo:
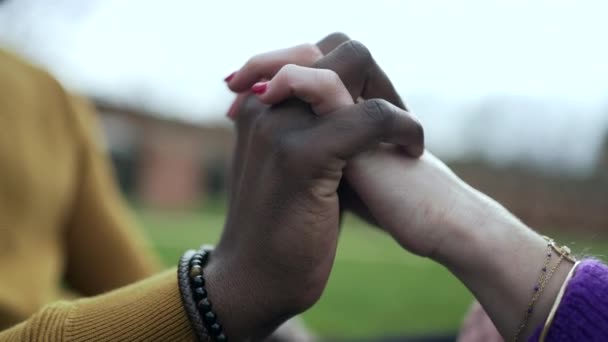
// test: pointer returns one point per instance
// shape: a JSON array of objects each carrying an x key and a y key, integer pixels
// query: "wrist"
[
  {"x": 475, "y": 224},
  {"x": 249, "y": 307},
  {"x": 499, "y": 259}
]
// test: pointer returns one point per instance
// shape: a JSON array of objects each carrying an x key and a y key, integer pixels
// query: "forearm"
[{"x": 500, "y": 259}]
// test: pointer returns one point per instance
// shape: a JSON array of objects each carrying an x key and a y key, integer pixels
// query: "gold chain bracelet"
[
  {"x": 556, "y": 303},
  {"x": 543, "y": 279}
]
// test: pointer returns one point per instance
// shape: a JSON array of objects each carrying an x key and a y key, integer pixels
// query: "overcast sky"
[{"x": 173, "y": 55}]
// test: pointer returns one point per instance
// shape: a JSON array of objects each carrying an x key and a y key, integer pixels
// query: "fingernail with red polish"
[
  {"x": 229, "y": 77},
  {"x": 259, "y": 88}
]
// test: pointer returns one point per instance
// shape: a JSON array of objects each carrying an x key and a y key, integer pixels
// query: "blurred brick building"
[
  {"x": 165, "y": 162},
  {"x": 168, "y": 163}
]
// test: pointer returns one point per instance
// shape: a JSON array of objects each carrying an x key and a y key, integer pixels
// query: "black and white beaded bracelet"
[{"x": 195, "y": 297}]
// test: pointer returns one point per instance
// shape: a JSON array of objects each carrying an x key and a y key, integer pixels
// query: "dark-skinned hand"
[
  {"x": 280, "y": 237},
  {"x": 354, "y": 65}
]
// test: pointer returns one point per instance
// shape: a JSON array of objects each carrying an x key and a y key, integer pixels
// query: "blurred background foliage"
[{"x": 375, "y": 289}]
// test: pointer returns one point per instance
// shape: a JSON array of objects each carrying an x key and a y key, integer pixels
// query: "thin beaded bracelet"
[
  {"x": 543, "y": 279},
  {"x": 195, "y": 297},
  {"x": 197, "y": 281}
]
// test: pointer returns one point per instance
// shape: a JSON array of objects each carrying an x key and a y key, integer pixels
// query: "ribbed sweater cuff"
[
  {"x": 47, "y": 325},
  {"x": 150, "y": 310},
  {"x": 583, "y": 312}
]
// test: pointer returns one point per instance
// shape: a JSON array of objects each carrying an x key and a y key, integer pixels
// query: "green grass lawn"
[{"x": 376, "y": 288}]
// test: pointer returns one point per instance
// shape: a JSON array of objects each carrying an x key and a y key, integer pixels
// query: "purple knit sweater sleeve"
[{"x": 583, "y": 312}]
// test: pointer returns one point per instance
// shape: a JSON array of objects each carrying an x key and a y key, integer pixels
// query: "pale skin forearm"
[
  {"x": 499, "y": 259},
  {"x": 432, "y": 212}
]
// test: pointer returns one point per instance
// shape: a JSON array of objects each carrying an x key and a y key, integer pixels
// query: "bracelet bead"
[
  {"x": 198, "y": 281},
  {"x": 192, "y": 276},
  {"x": 210, "y": 318},
  {"x": 199, "y": 293},
  {"x": 204, "y": 305},
  {"x": 195, "y": 270},
  {"x": 215, "y": 329}
]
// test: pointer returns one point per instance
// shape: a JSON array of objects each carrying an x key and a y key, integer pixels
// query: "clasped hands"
[{"x": 320, "y": 128}]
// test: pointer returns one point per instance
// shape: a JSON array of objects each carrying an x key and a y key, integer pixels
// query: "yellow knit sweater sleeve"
[
  {"x": 150, "y": 310},
  {"x": 61, "y": 213},
  {"x": 105, "y": 248}
]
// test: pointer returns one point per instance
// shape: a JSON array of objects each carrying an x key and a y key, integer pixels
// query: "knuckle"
[
  {"x": 329, "y": 83},
  {"x": 332, "y": 41},
  {"x": 328, "y": 78},
  {"x": 285, "y": 149},
  {"x": 289, "y": 68},
  {"x": 289, "y": 153},
  {"x": 359, "y": 50},
  {"x": 338, "y": 36},
  {"x": 287, "y": 75},
  {"x": 311, "y": 51},
  {"x": 380, "y": 112}
]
